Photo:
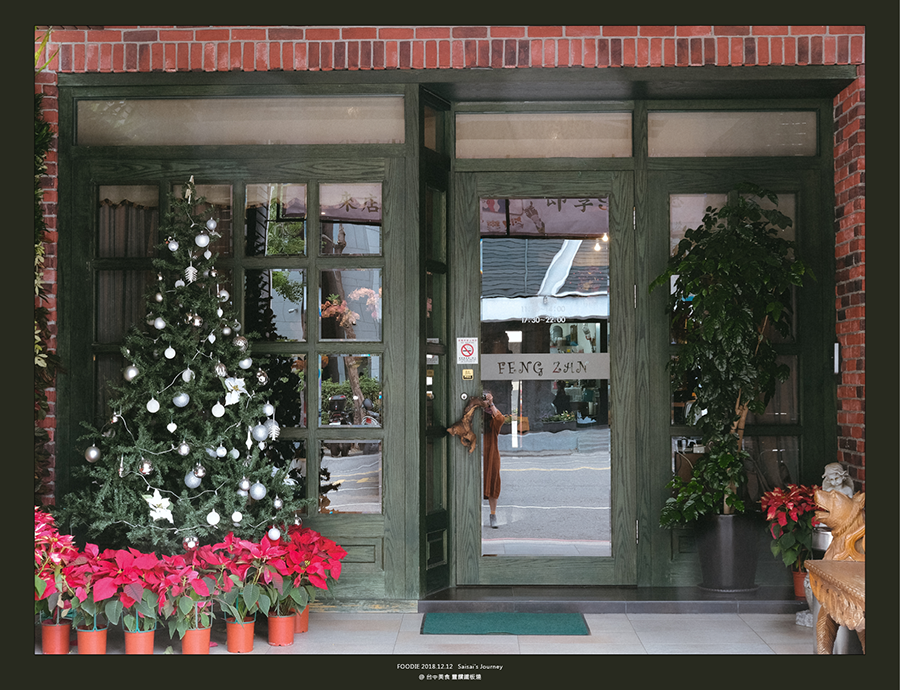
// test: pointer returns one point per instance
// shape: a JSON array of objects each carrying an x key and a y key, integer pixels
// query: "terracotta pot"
[
  {"x": 799, "y": 580},
  {"x": 301, "y": 620},
  {"x": 281, "y": 630},
  {"x": 240, "y": 634},
  {"x": 195, "y": 641},
  {"x": 91, "y": 641},
  {"x": 55, "y": 637},
  {"x": 140, "y": 641}
]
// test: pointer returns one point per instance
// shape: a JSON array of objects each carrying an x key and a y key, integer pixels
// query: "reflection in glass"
[
  {"x": 775, "y": 461},
  {"x": 290, "y": 453},
  {"x": 350, "y": 478},
  {"x": 120, "y": 302},
  {"x": 276, "y": 303},
  {"x": 545, "y": 360},
  {"x": 783, "y": 407},
  {"x": 275, "y": 222},
  {"x": 128, "y": 220},
  {"x": 350, "y": 304},
  {"x": 350, "y": 392},
  {"x": 350, "y": 217}
]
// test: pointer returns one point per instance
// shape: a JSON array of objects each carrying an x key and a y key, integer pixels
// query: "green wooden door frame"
[{"x": 470, "y": 567}]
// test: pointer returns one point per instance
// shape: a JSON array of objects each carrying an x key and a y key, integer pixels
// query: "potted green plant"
[
  {"x": 792, "y": 520},
  {"x": 732, "y": 280}
]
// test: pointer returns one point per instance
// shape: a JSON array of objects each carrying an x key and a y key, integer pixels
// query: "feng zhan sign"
[{"x": 549, "y": 367}]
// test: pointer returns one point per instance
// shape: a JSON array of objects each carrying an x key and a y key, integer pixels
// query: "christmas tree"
[{"x": 187, "y": 453}]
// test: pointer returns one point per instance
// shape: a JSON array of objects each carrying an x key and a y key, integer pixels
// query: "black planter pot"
[{"x": 728, "y": 546}]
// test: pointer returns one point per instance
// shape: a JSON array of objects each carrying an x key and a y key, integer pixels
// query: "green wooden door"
[{"x": 543, "y": 315}]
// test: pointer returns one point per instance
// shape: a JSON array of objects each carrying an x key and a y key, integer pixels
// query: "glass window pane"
[
  {"x": 217, "y": 201},
  {"x": 775, "y": 461},
  {"x": 435, "y": 227},
  {"x": 120, "y": 302},
  {"x": 350, "y": 391},
  {"x": 543, "y": 135},
  {"x": 249, "y": 121},
  {"x": 108, "y": 373},
  {"x": 578, "y": 217},
  {"x": 275, "y": 223},
  {"x": 275, "y": 303},
  {"x": 731, "y": 133},
  {"x": 350, "y": 217},
  {"x": 290, "y": 453},
  {"x": 433, "y": 129},
  {"x": 128, "y": 220},
  {"x": 435, "y": 305},
  {"x": 350, "y": 304},
  {"x": 350, "y": 479},
  {"x": 287, "y": 382},
  {"x": 784, "y": 407}
]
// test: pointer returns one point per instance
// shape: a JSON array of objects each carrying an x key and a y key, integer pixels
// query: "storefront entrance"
[{"x": 553, "y": 316}]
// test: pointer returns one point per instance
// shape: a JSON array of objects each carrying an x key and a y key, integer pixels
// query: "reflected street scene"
[{"x": 545, "y": 325}]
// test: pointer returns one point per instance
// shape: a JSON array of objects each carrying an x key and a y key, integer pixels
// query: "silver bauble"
[
  {"x": 131, "y": 372},
  {"x": 226, "y": 331},
  {"x": 146, "y": 467},
  {"x": 224, "y": 295},
  {"x": 242, "y": 493},
  {"x": 183, "y": 449},
  {"x": 158, "y": 297},
  {"x": 197, "y": 321},
  {"x": 245, "y": 363},
  {"x": 181, "y": 399},
  {"x": 213, "y": 273},
  {"x": 191, "y": 480},
  {"x": 234, "y": 453},
  {"x": 169, "y": 353},
  {"x": 221, "y": 369},
  {"x": 199, "y": 470},
  {"x": 236, "y": 517},
  {"x": 187, "y": 375},
  {"x": 173, "y": 245},
  {"x": 213, "y": 518},
  {"x": 190, "y": 543},
  {"x": 244, "y": 484},
  {"x": 211, "y": 224},
  {"x": 262, "y": 377},
  {"x": 257, "y": 492},
  {"x": 278, "y": 503},
  {"x": 221, "y": 451},
  {"x": 274, "y": 534},
  {"x": 153, "y": 405},
  {"x": 218, "y": 410},
  {"x": 179, "y": 283},
  {"x": 260, "y": 432},
  {"x": 240, "y": 342},
  {"x": 159, "y": 323},
  {"x": 202, "y": 240},
  {"x": 268, "y": 409},
  {"x": 92, "y": 454}
]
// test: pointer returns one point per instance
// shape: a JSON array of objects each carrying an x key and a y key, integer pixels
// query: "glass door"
[{"x": 555, "y": 312}]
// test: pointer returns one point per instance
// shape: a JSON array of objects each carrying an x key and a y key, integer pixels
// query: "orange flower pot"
[
  {"x": 55, "y": 637},
  {"x": 281, "y": 630},
  {"x": 240, "y": 634},
  {"x": 91, "y": 641},
  {"x": 195, "y": 641},
  {"x": 140, "y": 641},
  {"x": 301, "y": 620}
]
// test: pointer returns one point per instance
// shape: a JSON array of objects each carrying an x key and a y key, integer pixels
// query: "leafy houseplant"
[
  {"x": 189, "y": 587},
  {"x": 733, "y": 281},
  {"x": 792, "y": 517}
]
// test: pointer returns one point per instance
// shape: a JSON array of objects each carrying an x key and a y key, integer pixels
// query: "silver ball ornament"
[
  {"x": 260, "y": 432},
  {"x": 190, "y": 543},
  {"x": 221, "y": 451},
  {"x": 92, "y": 454},
  {"x": 169, "y": 353},
  {"x": 268, "y": 409},
  {"x": 274, "y": 534},
  {"x": 221, "y": 369},
  {"x": 236, "y": 517},
  {"x": 191, "y": 480},
  {"x": 159, "y": 323},
  {"x": 183, "y": 449},
  {"x": 187, "y": 375},
  {"x": 245, "y": 363},
  {"x": 226, "y": 331},
  {"x": 262, "y": 377},
  {"x": 202, "y": 240},
  {"x": 224, "y": 295},
  {"x": 153, "y": 405},
  {"x": 278, "y": 503},
  {"x": 240, "y": 342},
  {"x": 218, "y": 410},
  {"x": 257, "y": 492},
  {"x": 199, "y": 470},
  {"x": 244, "y": 484},
  {"x": 131, "y": 372},
  {"x": 181, "y": 399},
  {"x": 173, "y": 245},
  {"x": 213, "y": 518},
  {"x": 211, "y": 224},
  {"x": 158, "y": 297},
  {"x": 146, "y": 467}
]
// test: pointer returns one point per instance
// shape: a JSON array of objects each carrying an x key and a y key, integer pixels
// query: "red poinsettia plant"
[
  {"x": 52, "y": 554},
  {"x": 189, "y": 586},
  {"x": 278, "y": 576},
  {"x": 791, "y": 514}
]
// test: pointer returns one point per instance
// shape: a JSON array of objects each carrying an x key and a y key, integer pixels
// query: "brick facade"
[{"x": 111, "y": 49}]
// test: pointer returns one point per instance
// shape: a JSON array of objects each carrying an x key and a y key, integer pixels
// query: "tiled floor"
[{"x": 610, "y": 633}]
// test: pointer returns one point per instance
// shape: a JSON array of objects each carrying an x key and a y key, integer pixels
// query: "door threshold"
[{"x": 533, "y": 599}]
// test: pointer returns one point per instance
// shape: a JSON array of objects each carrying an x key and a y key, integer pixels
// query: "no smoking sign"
[{"x": 467, "y": 350}]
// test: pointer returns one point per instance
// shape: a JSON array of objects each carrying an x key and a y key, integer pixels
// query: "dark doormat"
[{"x": 481, "y": 623}]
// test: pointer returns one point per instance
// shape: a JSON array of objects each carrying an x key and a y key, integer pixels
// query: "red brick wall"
[
  {"x": 850, "y": 267},
  {"x": 319, "y": 48}
]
